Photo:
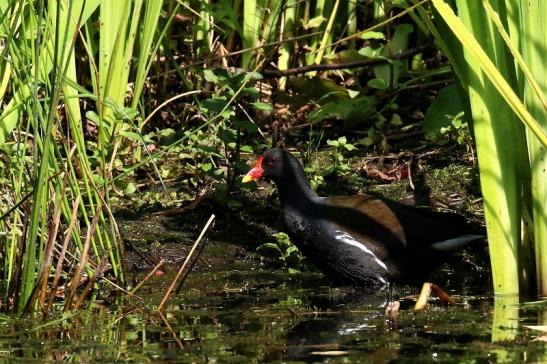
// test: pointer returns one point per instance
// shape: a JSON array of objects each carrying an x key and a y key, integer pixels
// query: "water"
[{"x": 254, "y": 316}]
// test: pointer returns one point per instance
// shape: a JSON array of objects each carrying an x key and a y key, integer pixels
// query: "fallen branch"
[
  {"x": 183, "y": 271},
  {"x": 338, "y": 66}
]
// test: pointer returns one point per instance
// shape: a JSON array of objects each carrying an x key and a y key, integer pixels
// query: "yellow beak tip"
[{"x": 246, "y": 179}]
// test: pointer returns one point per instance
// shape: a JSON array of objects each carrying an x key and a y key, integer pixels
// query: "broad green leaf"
[
  {"x": 354, "y": 112},
  {"x": 251, "y": 91},
  {"x": 269, "y": 246},
  {"x": 447, "y": 103},
  {"x": 315, "y": 22},
  {"x": 214, "y": 105},
  {"x": 371, "y": 52},
  {"x": 130, "y": 189},
  {"x": 396, "y": 120},
  {"x": 377, "y": 83},
  {"x": 130, "y": 135},
  {"x": 372, "y": 35},
  {"x": 92, "y": 116},
  {"x": 246, "y": 124},
  {"x": 210, "y": 76},
  {"x": 353, "y": 94},
  {"x": 262, "y": 106}
]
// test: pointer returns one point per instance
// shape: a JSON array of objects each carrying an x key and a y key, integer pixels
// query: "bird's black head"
[{"x": 276, "y": 164}]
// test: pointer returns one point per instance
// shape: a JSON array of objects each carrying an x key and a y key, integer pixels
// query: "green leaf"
[
  {"x": 130, "y": 135},
  {"x": 167, "y": 132},
  {"x": 350, "y": 147},
  {"x": 214, "y": 105},
  {"x": 399, "y": 41},
  {"x": 262, "y": 106},
  {"x": 377, "y": 83},
  {"x": 210, "y": 76},
  {"x": 354, "y": 112},
  {"x": 315, "y": 22},
  {"x": 396, "y": 120},
  {"x": 92, "y": 116},
  {"x": 251, "y": 91},
  {"x": 353, "y": 94},
  {"x": 372, "y": 35},
  {"x": 226, "y": 114},
  {"x": 269, "y": 246},
  {"x": 255, "y": 75},
  {"x": 448, "y": 102},
  {"x": 333, "y": 143},
  {"x": 130, "y": 189},
  {"x": 126, "y": 114},
  {"x": 246, "y": 148},
  {"x": 366, "y": 141},
  {"x": 371, "y": 52},
  {"x": 227, "y": 135}
]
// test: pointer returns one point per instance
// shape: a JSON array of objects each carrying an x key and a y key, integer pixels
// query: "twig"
[
  {"x": 338, "y": 66},
  {"x": 227, "y": 55},
  {"x": 182, "y": 210},
  {"x": 98, "y": 273},
  {"x": 148, "y": 276},
  {"x": 83, "y": 257},
  {"x": 46, "y": 266},
  {"x": 409, "y": 169},
  {"x": 62, "y": 254},
  {"x": 409, "y": 154},
  {"x": 183, "y": 267},
  {"x": 425, "y": 293},
  {"x": 170, "y": 329}
]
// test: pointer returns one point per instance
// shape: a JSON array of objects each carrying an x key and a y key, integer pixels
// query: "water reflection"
[{"x": 275, "y": 319}]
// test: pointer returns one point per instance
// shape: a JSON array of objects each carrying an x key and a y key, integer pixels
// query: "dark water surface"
[{"x": 258, "y": 316}]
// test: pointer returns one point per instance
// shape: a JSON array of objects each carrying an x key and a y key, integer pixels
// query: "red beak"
[{"x": 254, "y": 173}]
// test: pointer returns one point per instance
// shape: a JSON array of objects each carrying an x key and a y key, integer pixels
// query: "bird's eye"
[{"x": 271, "y": 161}]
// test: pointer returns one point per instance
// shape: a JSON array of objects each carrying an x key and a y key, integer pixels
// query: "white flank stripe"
[
  {"x": 455, "y": 243},
  {"x": 381, "y": 279},
  {"x": 348, "y": 239}
]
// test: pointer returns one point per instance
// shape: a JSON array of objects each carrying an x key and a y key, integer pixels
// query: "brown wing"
[
  {"x": 368, "y": 220},
  {"x": 389, "y": 228},
  {"x": 370, "y": 208}
]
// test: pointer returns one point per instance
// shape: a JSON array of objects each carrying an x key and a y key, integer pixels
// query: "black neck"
[{"x": 294, "y": 189}]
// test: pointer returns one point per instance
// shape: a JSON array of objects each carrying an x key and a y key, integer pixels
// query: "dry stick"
[
  {"x": 425, "y": 293},
  {"x": 227, "y": 55},
  {"x": 170, "y": 329},
  {"x": 121, "y": 288},
  {"x": 165, "y": 103},
  {"x": 338, "y": 66},
  {"x": 61, "y": 257},
  {"x": 117, "y": 234},
  {"x": 148, "y": 276},
  {"x": 46, "y": 266},
  {"x": 99, "y": 271},
  {"x": 409, "y": 169},
  {"x": 41, "y": 284},
  {"x": 183, "y": 267},
  {"x": 83, "y": 257}
]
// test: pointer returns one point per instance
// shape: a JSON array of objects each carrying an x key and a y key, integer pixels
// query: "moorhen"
[{"x": 362, "y": 240}]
